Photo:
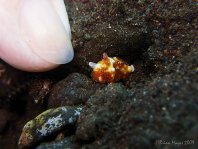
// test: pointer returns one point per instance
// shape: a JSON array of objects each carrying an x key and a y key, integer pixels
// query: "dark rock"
[
  {"x": 162, "y": 109},
  {"x": 73, "y": 90},
  {"x": 102, "y": 110}
]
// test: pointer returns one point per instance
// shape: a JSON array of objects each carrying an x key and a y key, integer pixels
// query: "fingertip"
[
  {"x": 39, "y": 40},
  {"x": 45, "y": 33}
]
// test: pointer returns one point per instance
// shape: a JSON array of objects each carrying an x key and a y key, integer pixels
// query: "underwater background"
[{"x": 155, "y": 107}]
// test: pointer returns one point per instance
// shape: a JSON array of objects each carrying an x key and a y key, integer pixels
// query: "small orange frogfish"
[{"x": 110, "y": 70}]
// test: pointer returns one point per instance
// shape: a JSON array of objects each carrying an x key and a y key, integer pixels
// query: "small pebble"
[{"x": 47, "y": 123}]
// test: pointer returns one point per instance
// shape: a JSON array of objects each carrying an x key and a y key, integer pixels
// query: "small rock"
[
  {"x": 48, "y": 123},
  {"x": 75, "y": 89}
]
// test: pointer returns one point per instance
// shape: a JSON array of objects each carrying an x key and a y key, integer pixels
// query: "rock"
[
  {"x": 163, "y": 108},
  {"x": 101, "y": 112},
  {"x": 60, "y": 144},
  {"x": 47, "y": 123},
  {"x": 110, "y": 28},
  {"x": 73, "y": 90}
]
